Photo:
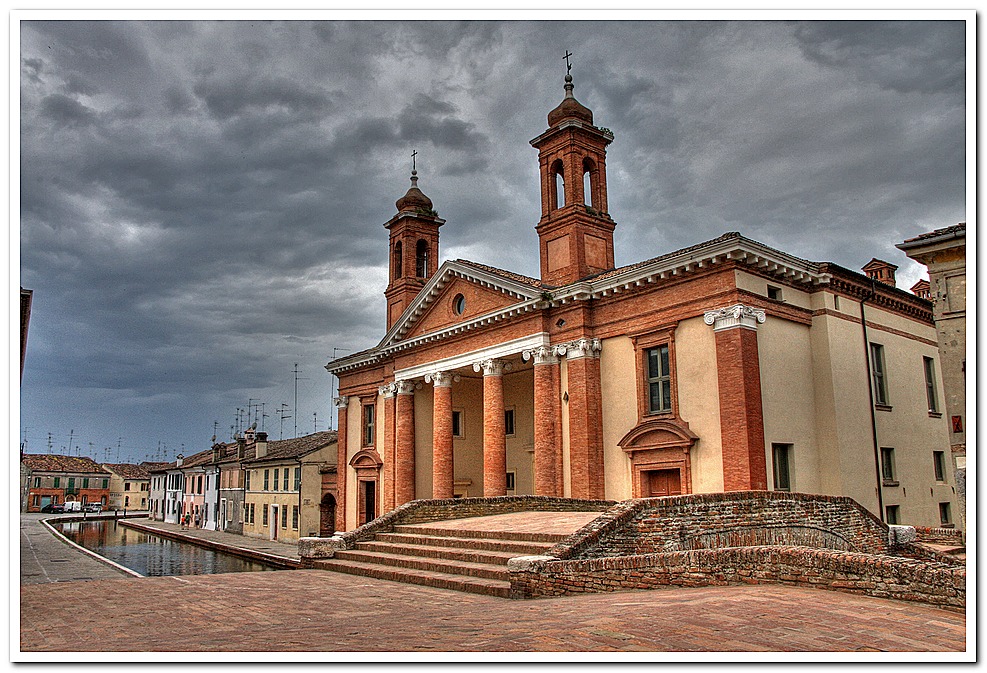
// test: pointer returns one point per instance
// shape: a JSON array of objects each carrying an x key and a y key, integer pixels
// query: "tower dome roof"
[
  {"x": 414, "y": 198},
  {"x": 570, "y": 108}
]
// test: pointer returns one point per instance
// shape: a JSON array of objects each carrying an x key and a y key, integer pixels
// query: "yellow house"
[
  {"x": 290, "y": 487},
  {"x": 129, "y": 486}
]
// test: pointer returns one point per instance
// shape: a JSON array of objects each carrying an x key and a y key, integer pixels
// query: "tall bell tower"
[
  {"x": 414, "y": 249},
  {"x": 575, "y": 232}
]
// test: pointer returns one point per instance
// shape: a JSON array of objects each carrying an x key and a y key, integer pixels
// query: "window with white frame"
[
  {"x": 659, "y": 378},
  {"x": 930, "y": 385},
  {"x": 878, "y": 374},
  {"x": 781, "y": 460}
]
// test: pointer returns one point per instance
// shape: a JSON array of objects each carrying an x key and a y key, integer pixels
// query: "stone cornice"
[{"x": 734, "y": 316}]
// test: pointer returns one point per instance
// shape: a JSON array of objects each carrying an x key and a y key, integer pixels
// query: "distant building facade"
[
  {"x": 130, "y": 486},
  {"x": 54, "y": 479}
]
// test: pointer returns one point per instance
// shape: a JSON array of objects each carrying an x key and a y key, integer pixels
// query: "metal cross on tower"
[
  {"x": 413, "y": 155},
  {"x": 568, "y": 66}
]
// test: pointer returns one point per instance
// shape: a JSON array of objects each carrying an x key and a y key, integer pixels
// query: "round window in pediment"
[{"x": 459, "y": 304}]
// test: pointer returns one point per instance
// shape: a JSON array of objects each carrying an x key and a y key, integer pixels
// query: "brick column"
[
  {"x": 388, "y": 391},
  {"x": 404, "y": 444},
  {"x": 585, "y": 418},
  {"x": 341, "y": 462},
  {"x": 557, "y": 449},
  {"x": 442, "y": 457},
  {"x": 739, "y": 380},
  {"x": 546, "y": 398},
  {"x": 494, "y": 438}
]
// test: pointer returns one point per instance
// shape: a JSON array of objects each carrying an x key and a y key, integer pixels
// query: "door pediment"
[{"x": 670, "y": 433}]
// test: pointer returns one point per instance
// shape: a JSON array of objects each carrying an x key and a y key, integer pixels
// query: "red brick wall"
[
  {"x": 442, "y": 453},
  {"x": 404, "y": 449},
  {"x": 494, "y": 442},
  {"x": 585, "y": 428},
  {"x": 342, "y": 468},
  {"x": 741, "y": 416}
]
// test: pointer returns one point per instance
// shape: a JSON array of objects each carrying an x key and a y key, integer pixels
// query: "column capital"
[
  {"x": 580, "y": 348},
  {"x": 543, "y": 355},
  {"x": 405, "y": 387},
  {"x": 342, "y": 401},
  {"x": 491, "y": 367},
  {"x": 388, "y": 390},
  {"x": 439, "y": 379},
  {"x": 737, "y": 315}
]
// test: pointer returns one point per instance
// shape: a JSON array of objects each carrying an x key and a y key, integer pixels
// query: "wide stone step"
[
  {"x": 475, "y": 585},
  {"x": 433, "y": 551},
  {"x": 452, "y": 567},
  {"x": 446, "y": 539},
  {"x": 525, "y": 536}
]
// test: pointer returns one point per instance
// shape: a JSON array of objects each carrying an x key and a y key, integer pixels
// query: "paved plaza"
[{"x": 321, "y": 611}]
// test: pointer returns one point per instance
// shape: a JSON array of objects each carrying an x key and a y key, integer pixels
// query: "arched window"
[
  {"x": 589, "y": 182},
  {"x": 421, "y": 258},
  {"x": 398, "y": 271},
  {"x": 558, "y": 185}
]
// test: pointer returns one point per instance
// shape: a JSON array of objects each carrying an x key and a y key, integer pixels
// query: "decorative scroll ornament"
[
  {"x": 543, "y": 355},
  {"x": 342, "y": 401},
  {"x": 737, "y": 315},
  {"x": 405, "y": 387},
  {"x": 489, "y": 367},
  {"x": 440, "y": 379},
  {"x": 388, "y": 389},
  {"x": 580, "y": 348}
]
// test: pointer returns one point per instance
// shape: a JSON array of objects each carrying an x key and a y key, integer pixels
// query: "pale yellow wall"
[
  {"x": 759, "y": 286},
  {"x": 788, "y": 399},
  {"x": 699, "y": 402},
  {"x": 423, "y": 441},
  {"x": 519, "y": 389},
  {"x": 354, "y": 444},
  {"x": 311, "y": 487},
  {"x": 618, "y": 385},
  {"x": 467, "y": 396}
]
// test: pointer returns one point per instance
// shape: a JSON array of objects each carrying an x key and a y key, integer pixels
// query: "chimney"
[
  {"x": 881, "y": 271},
  {"x": 249, "y": 433},
  {"x": 178, "y": 460},
  {"x": 261, "y": 445},
  {"x": 241, "y": 445}
]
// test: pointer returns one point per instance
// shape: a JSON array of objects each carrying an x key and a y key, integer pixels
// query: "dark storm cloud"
[{"x": 202, "y": 202}]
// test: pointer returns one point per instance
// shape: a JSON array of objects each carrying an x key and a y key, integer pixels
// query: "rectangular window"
[
  {"x": 781, "y": 458},
  {"x": 37, "y": 482},
  {"x": 246, "y": 480},
  {"x": 457, "y": 424},
  {"x": 85, "y": 482},
  {"x": 298, "y": 478},
  {"x": 263, "y": 516},
  {"x": 891, "y": 515},
  {"x": 58, "y": 481},
  {"x": 945, "y": 517},
  {"x": 939, "y": 463},
  {"x": 106, "y": 483},
  {"x": 774, "y": 293},
  {"x": 126, "y": 485},
  {"x": 71, "y": 486},
  {"x": 836, "y": 302},
  {"x": 509, "y": 422},
  {"x": 284, "y": 484},
  {"x": 511, "y": 480},
  {"x": 659, "y": 380},
  {"x": 267, "y": 479},
  {"x": 930, "y": 385},
  {"x": 887, "y": 466},
  {"x": 294, "y": 517},
  {"x": 368, "y": 425},
  {"x": 276, "y": 479},
  {"x": 200, "y": 484},
  {"x": 877, "y": 373},
  {"x": 284, "y": 516}
]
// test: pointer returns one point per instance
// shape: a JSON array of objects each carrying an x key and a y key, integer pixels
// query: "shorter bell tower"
[
  {"x": 414, "y": 249},
  {"x": 575, "y": 232}
]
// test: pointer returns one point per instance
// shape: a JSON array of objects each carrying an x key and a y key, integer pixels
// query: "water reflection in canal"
[{"x": 153, "y": 556}]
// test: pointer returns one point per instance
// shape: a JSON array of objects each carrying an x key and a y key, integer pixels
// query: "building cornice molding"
[
  {"x": 495, "y": 352},
  {"x": 735, "y": 316}
]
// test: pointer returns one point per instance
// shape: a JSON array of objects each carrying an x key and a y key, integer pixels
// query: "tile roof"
[
  {"x": 197, "y": 459},
  {"x": 128, "y": 470},
  {"x": 509, "y": 275},
  {"x": 58, "y": 463},
  {"x": 945, "y": 231},
  {"x": 299, "y": 446}
]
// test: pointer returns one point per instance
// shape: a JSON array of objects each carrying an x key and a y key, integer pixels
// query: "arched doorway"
[
  {"x": 367, "y": 464},
  {"x": 660, "y": 457},
  {"x": 327, "y": 516}
]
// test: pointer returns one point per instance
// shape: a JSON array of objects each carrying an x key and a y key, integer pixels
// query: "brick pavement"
[
  {"x": 314, "y": 610},
  {"x": 45, "y": 558}
]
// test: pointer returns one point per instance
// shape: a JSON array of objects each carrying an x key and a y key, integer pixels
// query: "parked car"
[
  {"x": 94, "y": 507},
  {"x": 53, "y": 509}
]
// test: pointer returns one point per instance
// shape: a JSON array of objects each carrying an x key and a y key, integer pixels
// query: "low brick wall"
[
  {"x": 870, "y": 574},
  {"x": 423, "y": 511},
  {"x": 943, "y": 536},
  {"x": 736, "y": 519}
]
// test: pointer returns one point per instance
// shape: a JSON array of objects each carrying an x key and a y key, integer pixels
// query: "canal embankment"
[
  {"x": 47, "y": 558},
  {"x": 271, "y": 552}
]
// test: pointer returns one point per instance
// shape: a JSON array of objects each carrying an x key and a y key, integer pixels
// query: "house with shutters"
[
  {"x": 130, "y": 486},
  {"x": 724, "y": 366},
  {"x": 54, "y": 480}
]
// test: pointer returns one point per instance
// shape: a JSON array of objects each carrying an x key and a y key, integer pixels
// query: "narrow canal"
[{"x": 154, "y": 556}]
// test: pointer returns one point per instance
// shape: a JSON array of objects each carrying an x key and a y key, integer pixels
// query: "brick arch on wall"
[{"x": 659, "y": 444}]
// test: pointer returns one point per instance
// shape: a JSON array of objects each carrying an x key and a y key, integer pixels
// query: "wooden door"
[{"x": 664, "y": 482}]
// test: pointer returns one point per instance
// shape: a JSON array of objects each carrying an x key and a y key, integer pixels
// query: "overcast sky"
[{"x": 202, "y": 202}]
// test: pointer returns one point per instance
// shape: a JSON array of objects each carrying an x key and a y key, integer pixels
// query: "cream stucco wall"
[
  {"x": 467, "y": 451},
  {"x": 519, "y": 394},
  {"x": 423, "y": 440},
  {"x": 759, "y": 285},
  {"x": 699, "y": 402},
  {"x": 618, "y": 385}
]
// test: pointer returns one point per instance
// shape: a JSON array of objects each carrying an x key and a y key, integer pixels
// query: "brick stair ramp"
[{"x": 473, "y": 561}]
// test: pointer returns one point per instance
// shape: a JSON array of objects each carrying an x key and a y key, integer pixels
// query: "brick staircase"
[{"x": 474, "y": 561}]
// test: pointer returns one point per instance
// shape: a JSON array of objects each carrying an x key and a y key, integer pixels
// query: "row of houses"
[
  {"x": 50, "y": 479},
  {"x": 281, "y": 490}
]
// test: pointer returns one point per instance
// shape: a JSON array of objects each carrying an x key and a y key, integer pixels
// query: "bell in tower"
[
  {"x": 575, "y": 232},
  {"x": 414, "y": 248}
]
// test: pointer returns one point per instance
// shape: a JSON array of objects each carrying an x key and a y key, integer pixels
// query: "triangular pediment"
[{"x": 435, "y": 308}]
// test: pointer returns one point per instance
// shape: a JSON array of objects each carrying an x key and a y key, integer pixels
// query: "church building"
[{"x": 724, "y": 366}]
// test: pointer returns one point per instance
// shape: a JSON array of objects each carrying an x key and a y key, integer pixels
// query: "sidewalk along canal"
[{"x": 257, "y": 549}]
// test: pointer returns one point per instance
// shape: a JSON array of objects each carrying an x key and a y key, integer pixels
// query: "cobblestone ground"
[{"x": 319, "y": 611}]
